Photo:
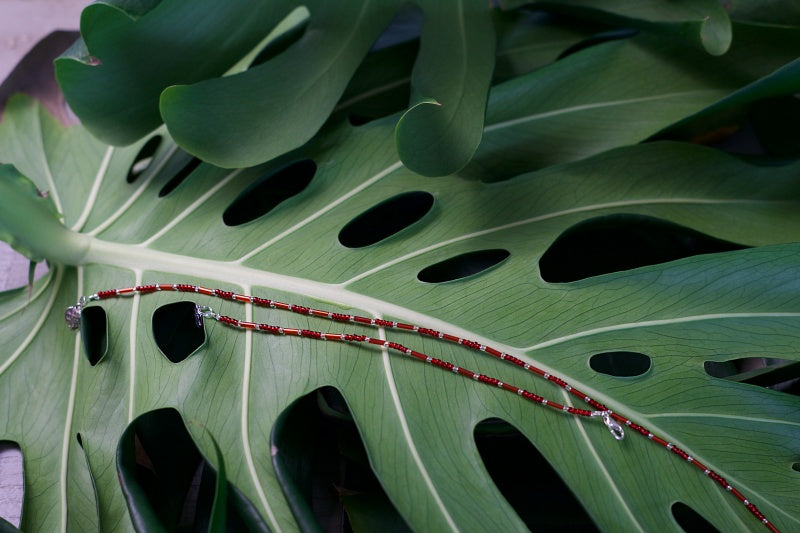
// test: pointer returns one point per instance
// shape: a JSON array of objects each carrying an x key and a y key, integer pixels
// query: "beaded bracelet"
[{"x": 611, "y": 419}]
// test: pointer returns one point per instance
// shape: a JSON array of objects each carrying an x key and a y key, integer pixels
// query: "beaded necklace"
[{"x": 611, "y": 419}]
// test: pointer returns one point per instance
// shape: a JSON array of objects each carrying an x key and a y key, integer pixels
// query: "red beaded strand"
[{"x": 600, "y": 409}]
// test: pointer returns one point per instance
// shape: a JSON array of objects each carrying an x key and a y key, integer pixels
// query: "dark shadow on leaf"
[
  {"x": 166, "y": 482},
  {"x": 531, "y": 486},
  {"x": 386, "y": 219},
  {"x": 774, "y": 122},
  {"x": 622, "y": 242},
  {"x": 270, "y": 191},
  {"x": 179, "y": 177},
  {"x": 324, "y": 471},
  {"x": 599, "y": 38},
  {"x": 86, "y": 522},
  {"x": 690, "y": 520},
  {"x": 381, "y": 86},
  {"x": 463, "y": 265},
  {"x": 620, "y": 364},
  {"x": 280, "y": 43}
]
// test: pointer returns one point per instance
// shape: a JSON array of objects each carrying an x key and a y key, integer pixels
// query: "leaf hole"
[
  {"x": 781, "y": 375},
  {"x": 177, "y": 330},
  {"x": 532, "y": 487},
  {"x": 282, "y": 42},
  {"x": 386, "y": 219},
  {"x": 690, "y": 520},
  {"x": 13, "y": 486},
  {"x": 620, "y": 364},
  {"x": 144, "y": 158},
  {"x": 179, "y": 177},
  {"x": 463, "y": 265},
  {"x": 94, "y": 333},
  {"x": 616, "y": 243},
  {"x": 796, "y": 467},
  {"x": 270, "y": 191},
  {"x": 323, "y": 468},
  {"x": 168, "y": 484}
]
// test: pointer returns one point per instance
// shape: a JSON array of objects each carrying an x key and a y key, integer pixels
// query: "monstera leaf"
[
  {"x": 254, "y": 114},
  {"x": 340, "y": 224}
]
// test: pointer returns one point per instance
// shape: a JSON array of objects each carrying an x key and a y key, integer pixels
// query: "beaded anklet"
[{"x": 611, "y": 419}]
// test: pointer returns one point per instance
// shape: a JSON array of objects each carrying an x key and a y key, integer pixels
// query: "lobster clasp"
[
  {"x": 201, "y": 312},
  {"x": 616, "y": 430}
]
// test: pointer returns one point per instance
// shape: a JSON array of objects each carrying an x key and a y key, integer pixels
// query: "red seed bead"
[
  {"x": 145, "y": 289},
  {"x": 513, "y": 360},
  {"x": 228, "y": 320},
  {"x": 680, "y": 453},
  {"x": 531, "y": 396},
  {"x": 486, "y": 379},
  {"x": 442, "y": 364}
]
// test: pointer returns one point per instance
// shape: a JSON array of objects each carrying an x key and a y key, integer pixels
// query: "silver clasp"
[
  {"x": 201, "y": 312},
  {"x": 615, "y": 429}
]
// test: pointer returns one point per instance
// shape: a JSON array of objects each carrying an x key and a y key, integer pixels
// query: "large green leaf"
[
  {"x": 257, "y": 114},
  {"x": 116, "y": 93},
  {"x": 416, "y": 421},
  {"x": 703, "y": 21},
  {"x": 638, "y": 87}
]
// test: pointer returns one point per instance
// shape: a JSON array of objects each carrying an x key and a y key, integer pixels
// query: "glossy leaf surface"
[
  {"x": 416, "y": 421},
  {"x": 232, "y": 116}
]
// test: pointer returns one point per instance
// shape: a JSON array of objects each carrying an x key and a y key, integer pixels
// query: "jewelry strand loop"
[{"x": 613, "y": 421}]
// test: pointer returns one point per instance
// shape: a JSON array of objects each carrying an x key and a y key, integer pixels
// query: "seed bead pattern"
[{"x": 611, "y": 419}]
